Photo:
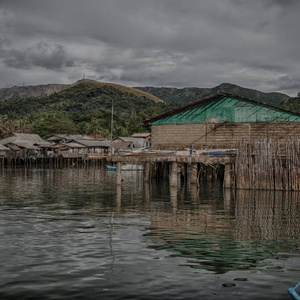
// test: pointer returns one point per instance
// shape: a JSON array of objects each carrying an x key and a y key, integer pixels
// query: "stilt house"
[
  {"x": 217, "y": 122},
  {"x": 24, "y": 144}
]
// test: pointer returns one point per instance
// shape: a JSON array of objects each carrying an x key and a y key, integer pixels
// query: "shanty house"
[
  {"x": 65, "y": 138},
  {"x": 94, "y": 147},
  {"x": 24, "y": 144},
  {"x": 81, "y": 144},
  {"x": 4, "y": 151},
  {"x": 219, "y": 121},
  {"x": 131, "y": 142}
]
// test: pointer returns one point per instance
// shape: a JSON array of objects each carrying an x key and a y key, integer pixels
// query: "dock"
[{"x": 168, "y": 165}]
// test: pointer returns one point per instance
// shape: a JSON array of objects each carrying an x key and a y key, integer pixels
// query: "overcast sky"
[{"x": 178, "y": 43}]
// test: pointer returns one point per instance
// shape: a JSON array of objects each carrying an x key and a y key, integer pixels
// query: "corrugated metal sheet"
[
  {"x": 74, "y": 145},
  {"x": 229, "y": 109},
  {"x": 29, "y": 138},
  {"x": 74, "y": 137},
  {"x": 141, "y": 135},
  {"x": 93, "y": 143},
  {"x": 24, "y": 138},
  {"x": 13, "y": 147},
  {"x": 26, "y": 145},
  {"x": 2, "y": 147}
]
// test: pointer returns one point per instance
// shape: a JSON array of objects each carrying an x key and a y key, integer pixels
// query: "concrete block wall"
[{"x": 218, "y": 136}]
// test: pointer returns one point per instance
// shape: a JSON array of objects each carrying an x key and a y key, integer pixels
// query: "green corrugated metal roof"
[{"x": 225, "y": 108}]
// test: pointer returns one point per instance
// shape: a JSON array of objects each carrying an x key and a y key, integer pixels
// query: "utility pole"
[{"x": 111, "y": 125}]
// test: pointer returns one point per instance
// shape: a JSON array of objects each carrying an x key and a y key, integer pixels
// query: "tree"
[{"x": 48, "y": 124}]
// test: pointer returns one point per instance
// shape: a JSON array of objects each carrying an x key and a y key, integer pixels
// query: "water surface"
[{"x": 73, "y": 234}]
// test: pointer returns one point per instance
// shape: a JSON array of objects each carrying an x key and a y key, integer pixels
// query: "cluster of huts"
[{"x": 22, "y": 145}]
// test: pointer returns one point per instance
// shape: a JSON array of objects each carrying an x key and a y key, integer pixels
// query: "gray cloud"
[
  {"x": 40, "y": 55},
  {"x": 163, "y": 43}
]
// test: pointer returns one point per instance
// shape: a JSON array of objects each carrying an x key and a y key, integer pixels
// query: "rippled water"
[{"x": 72, "y": 234}]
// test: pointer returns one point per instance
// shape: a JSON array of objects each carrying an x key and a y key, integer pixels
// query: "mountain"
[
  {"x": 31, "y": 91},
  {"x": 48, "y": 89},
  {"x": 191, "y": 94},
  {"x": 182, "y": 96},
  {"x": 82, "y": 98},
  {"x": 81, "y": 108}
]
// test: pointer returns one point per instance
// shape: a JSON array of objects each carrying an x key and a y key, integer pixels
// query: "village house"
[
  {"x": 145, "y": 135},
  {"x": 25, "y": 145},
  {"x": 65, "y": 138},
  {"x": 81, "y": 144},
  {"x": 94, "y": 147},
  {"x": 217, "y": 122},
  {"x": 128, "y": 144},
  {"x": 4, "y": 151}
]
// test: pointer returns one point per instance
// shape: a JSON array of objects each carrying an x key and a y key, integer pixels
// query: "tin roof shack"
[
  {"x": 146, "y": 136},
  {"x": 128, "y": 144},
  {"x": 94, "y": 147},
  {"x": 25, "y": 144},
  {"x": 4, "y": 151},
  {"x": 65, "y": 138},
  {"x": 82, "y": 144},
  {"x": 217, "y": 122}
]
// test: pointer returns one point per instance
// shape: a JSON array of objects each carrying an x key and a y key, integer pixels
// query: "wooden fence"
[{"x": 268, "y": 165}]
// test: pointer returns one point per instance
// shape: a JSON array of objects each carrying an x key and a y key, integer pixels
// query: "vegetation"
[
  {"x": 85, "y": 108},
  {"x": 191, "y": 94},
  {"x": 292, "y": 104}
]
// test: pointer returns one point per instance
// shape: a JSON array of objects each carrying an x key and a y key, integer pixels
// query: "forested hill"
[
  {"x": 83, "y": 98},
  {"x": 190, "y": 94},
  {"x": 292, "y": 104},
  {"x": 84, "y": 108},
  {"x": 48, "y": 89}
]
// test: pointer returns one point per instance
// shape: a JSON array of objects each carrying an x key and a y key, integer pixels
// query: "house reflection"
[{"x": 235, "y": 232}]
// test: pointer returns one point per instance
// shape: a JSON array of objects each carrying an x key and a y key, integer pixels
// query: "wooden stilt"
[
  {"x": 147, "y": 171},
  {"x": 194, "y": 173},
  {"x": 173, "y": 173},
  {"x": 119, "y": 175}
]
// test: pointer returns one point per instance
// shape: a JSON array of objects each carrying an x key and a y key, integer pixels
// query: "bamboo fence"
[{"x": 268, "y": 165}]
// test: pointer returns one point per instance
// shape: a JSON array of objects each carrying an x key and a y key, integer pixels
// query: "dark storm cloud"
[
  {"x": 288, "y": 82},
  {"x": 169, "y": 42},
  {"x": 41, "y": 55}
]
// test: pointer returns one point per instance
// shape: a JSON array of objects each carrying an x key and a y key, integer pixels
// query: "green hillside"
[
  {"x": 82, "y": 98},
  {"x": 292, "y": 104},
  {"x": 84, "y": 108}
]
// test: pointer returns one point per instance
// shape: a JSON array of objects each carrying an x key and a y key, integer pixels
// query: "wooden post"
[
  {"x": 194, "y": 193},
  {"x": 147, "y": 192},
  {"x": 173, "y": 173},
  {"x": 147, "y": 171},
  {"x": 119, "y": 196},
  {"x": 227, "y": 199},
  {"x": 194, "y": 173},
  {"x": 119, "y": 169},
  {"x": 209, "y": 173},
  {"x": 173, "y": 198},
  {"x": 227, "y": 183}
]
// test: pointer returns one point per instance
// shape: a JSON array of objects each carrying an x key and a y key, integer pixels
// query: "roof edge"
[{"x": 206, "y": 99}]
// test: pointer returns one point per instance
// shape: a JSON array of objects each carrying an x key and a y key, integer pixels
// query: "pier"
[{"x": 169, "y": 165}]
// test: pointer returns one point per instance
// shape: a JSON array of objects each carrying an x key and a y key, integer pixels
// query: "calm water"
[{"x": 72, "y": 234}]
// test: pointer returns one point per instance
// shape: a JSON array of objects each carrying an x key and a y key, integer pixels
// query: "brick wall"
[{"x": 214, "y": 136}]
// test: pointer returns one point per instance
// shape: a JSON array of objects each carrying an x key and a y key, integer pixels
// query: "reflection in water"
[
  {"x": 267, "y": 215},
  {"x": 75, "y": 234},
  {"x": 247, "y": 227}
]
